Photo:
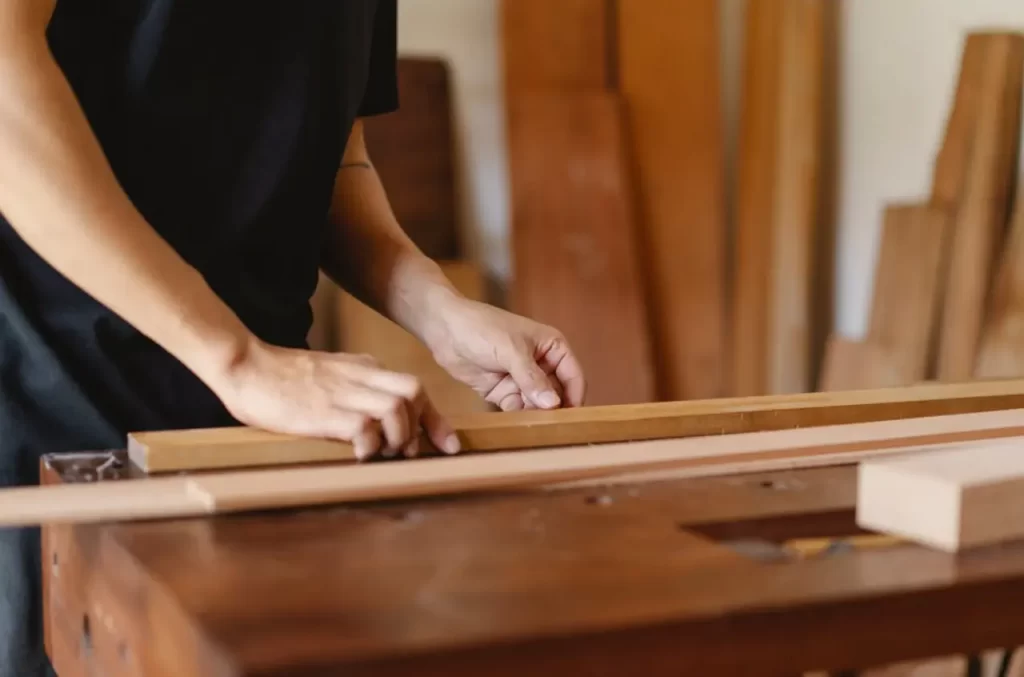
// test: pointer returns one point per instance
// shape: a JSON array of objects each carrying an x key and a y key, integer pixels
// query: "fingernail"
[
  {"x": 451, "y": 444},
  {"x": 548, "y": 399}
]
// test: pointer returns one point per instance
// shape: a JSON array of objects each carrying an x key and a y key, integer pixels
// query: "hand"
[
  {"x": 336, "y": 396},
  {"x": 511, "y": 361}
]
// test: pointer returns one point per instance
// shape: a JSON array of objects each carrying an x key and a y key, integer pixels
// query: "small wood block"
[
  {"x": 968, "y": 496},
  {"x": 207, "y": 449}
]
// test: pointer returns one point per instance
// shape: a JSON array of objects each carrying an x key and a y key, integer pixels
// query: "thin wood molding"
[
  {"x": 225, "y": 492},
  {"x": 174, "y": 451}
]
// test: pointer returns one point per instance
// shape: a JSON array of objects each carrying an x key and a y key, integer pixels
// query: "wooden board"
[
  {"x": 364, "y": 331},
  {"x": 413, "y": 149},
  {"x": 904, "y": 310},
  {"x": 562, "y": 45},
  {"x": 968, "y": 496},
  {"x": 669, "y": 76},
  {"x": 781, "y": 186},
  {"x": 981, "y": 218},
  {"x": 576, "y": 265},
  {"x": 307, "y": 486},
  {"x": 233, "y": 447},
  {"x": 1002, "y": 343},
  {"x": 758, "y": 145}
]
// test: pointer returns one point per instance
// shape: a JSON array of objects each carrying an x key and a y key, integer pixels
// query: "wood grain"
[
  {"x": 364, "y": 331},
  {"x": 1002, "y": 344},
  {"x": 963, "y": 497},
  {"x": 413, "y": 150},
  {"x": 576, "y": 263},
  {"x": 235, "y": 447},
  {"x": 981, "y": 218},
  {"x": 560, "y": 46},
  {"x": 669, "y": 77}
]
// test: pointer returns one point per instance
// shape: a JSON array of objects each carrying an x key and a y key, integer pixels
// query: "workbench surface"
[{"x": 652, "y": 579}]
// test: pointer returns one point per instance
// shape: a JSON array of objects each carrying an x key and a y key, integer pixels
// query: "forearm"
[
  {"x": 59, "y": 193},
  {"x": 369, "y": 255}
]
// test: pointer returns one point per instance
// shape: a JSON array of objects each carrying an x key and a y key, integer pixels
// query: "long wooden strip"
[
  {"x": 968, "y": 496},
  {"x": 574, "y": 237},
  {"x": 562, "y": 45},
  {"x": 242, "y": 447},
  {"x": 308, "y": 486},
  {"x": 1002, "y": 344},
  {"x": 982, "y": 214},
  {"x": 669, "y": 77}
]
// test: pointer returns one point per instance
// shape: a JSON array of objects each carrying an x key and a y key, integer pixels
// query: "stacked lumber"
[
  {"x": 413, "y": 151},
  {"x": 945, "y": 302}
]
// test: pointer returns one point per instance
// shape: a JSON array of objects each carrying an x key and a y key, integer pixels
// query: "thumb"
[{"x": 532, "y": 380}]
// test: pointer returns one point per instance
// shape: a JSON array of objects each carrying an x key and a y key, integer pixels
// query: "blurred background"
[{"x": 715, "y": 198}]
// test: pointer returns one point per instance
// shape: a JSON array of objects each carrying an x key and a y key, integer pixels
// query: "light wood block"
[
  {"x": 968, "y": 496},
  {"x": 1002, "y": 343},
  {"x": 614, "y": 423}
]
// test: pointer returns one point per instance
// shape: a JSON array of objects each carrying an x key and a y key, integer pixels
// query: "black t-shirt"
[{"x": 225, "y": 123}]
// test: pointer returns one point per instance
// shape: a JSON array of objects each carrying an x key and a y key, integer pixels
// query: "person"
[{"x": 173, "y": 175}]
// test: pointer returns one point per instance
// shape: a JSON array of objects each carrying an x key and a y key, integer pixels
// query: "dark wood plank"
[
  {"x": 573, "y": 234},
  {"x": 413, "y": 152}
]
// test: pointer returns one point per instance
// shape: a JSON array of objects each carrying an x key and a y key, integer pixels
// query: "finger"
[
  {"x": 362, "y": 431},
  {"x": 405, "y": 386},
  {"x": 439, "y": 431},
  {"x": 390, "y": 410},
  {"x": 560, "y": 361},
  {"x": 532, "y": 380}
]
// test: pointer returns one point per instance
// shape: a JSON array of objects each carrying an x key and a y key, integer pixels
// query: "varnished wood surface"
[{"x": 634, "y": 579}]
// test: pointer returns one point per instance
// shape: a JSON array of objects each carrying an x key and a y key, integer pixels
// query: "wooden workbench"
[{"x": 671, "y": 578}]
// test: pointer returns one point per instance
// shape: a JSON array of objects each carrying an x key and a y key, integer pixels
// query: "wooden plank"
[
  {"x": 557, "y": 45},
  {"x": 308, "y": 486},
  {"x": 847, "y": 364},
  {"x": 982, "y": 214},
  {"x": 669, "y": 77},
  {"x": 364, "y": 331},
  {"x": 166, "y": 451},
  {"x": 573, "y": 234},
  {"x": 413, "y": 152},
  {"x": 1002, "y": 343},
  {"x": 905, "y": 305},
  {"x": 798, "y": 190},
  {"x": 968, "y": 496},
  {"x": 758, "y": 147},
  {"x": 781, "y": 191}
]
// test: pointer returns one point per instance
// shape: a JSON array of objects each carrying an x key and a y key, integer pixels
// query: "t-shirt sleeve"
[{"x": 381, "y": 94}]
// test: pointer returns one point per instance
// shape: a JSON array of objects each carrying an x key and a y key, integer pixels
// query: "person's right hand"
[{"x": 336, "y": 396}]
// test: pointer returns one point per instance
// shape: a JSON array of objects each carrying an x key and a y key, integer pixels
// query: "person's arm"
[
  {"x": 61, "y": 196},
  {"x": 59, "y": 193},
  {"x": 369, "y": 255}
]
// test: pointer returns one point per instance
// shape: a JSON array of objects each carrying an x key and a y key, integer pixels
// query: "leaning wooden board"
[
  {"x": 574, "y": 237},
  {"x": 670, "y": 82}
]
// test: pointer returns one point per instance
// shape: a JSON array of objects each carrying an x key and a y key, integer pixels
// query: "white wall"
[{"x": 900, "y": 61}]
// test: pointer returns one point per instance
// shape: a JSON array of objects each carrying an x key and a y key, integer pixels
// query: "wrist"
[{"x": 425, "y": 301}]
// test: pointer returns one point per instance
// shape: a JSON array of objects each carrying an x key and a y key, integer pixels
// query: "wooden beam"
[
  {"x": 213, "y": 493},
  {"x": 169, "y": 451},
  {"x": 968, "y": 496}
]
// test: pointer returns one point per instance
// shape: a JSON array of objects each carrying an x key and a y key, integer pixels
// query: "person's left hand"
[{"x": 511, "y": 361}]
